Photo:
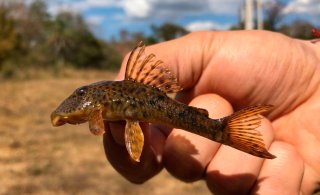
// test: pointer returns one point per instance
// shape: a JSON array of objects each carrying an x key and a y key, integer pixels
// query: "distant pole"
[
  {"x": 249, "y": 15},
  {"x": 259, "y": 14}
]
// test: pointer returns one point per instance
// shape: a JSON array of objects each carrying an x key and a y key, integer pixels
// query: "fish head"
[{"x": 76, "y": 108}]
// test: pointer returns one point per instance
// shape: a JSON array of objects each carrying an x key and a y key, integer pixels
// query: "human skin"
[{"x": 223, "y": 72}]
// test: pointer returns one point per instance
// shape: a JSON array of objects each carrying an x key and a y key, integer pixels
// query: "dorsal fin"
[
  {"x": 203, "y": 111},
  {"x": 148, "y": 70}
]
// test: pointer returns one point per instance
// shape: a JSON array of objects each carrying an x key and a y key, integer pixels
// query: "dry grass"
[{"x": 36, "y": 158}]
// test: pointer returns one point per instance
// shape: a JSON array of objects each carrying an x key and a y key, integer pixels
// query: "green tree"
[
  {"x": 8, "y": 34},
  {"x": 33, "y": 29},
  {"x": 30, "y": 37},
  {"x": 273, "y": 15},
  {"x": 168, "y": 31},
  {"x": 299, "y": 29},
  {"x": 73, "y": 43}
]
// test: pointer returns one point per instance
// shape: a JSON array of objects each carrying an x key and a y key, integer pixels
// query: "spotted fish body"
[
  {"x": 142, "y": 97},
  {"x": 131, "y": 100}
]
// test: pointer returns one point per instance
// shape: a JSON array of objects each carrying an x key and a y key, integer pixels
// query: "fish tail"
[{"x": 241, "y": 131}]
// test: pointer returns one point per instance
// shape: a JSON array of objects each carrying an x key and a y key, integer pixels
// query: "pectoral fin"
[
  {"x": 96, "y": 124},
  {"x": 134, "y": 139}
]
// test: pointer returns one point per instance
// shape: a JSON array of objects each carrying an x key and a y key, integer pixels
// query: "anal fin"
[{"x": 134, "y": 139}]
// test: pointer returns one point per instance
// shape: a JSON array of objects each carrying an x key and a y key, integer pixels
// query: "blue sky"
[{"x": 107, "y": 17}]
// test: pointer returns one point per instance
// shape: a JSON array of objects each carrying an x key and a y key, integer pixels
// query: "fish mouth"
[{"x": 59, "y": 119}]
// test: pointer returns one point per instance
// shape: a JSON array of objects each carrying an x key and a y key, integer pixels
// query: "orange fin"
[
  {"x": 96, "y": 124},
  {"x": 150, "y": 71},
  {"x": 134, "y": 139},
  {"x": 241, "y": 131}
]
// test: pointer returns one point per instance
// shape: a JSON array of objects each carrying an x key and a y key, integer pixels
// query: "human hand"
[{"x": 221, "y": 71}]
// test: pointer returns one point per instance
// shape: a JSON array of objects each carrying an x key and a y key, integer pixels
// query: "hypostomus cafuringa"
[{"x": 142, "y": 97}]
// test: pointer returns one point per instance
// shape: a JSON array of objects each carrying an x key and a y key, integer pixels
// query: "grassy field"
[{"x": 36, "y": 158}]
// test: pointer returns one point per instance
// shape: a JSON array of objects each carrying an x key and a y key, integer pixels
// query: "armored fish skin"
[
  {"x": 127, "y": 99},
  {"x": 142, "y": 97}
]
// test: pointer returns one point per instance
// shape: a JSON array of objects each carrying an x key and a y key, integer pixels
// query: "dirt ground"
[{"x": 36, "y": 158}]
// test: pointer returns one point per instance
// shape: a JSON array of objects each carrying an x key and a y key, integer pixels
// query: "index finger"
[{"x": 119, "y": 158}]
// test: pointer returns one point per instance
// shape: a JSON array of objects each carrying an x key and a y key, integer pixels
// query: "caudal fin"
[{"x": 241, "y": 131}]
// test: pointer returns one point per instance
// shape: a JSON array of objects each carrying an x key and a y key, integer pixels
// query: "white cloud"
[
  {"x": 169, "y": 9},
  {"x": 79, "y": 6},
  {"x": 88, "y": 4},
  {"x": 229, "y": 7},
  {"x": 137, "y": 8},
  {"x": 150, "y": 9},
  {"x": 206, "y": 25},
  {"x": 303, "y": 6},
  {"x": 95, "y": 20},
  {"x": 308, "y": 9}
]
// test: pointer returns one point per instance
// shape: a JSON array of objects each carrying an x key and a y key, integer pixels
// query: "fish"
[{"x": 143, "y": 97}]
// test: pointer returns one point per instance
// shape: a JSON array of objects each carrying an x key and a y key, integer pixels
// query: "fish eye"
[{"x": 81, "y": 91}]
